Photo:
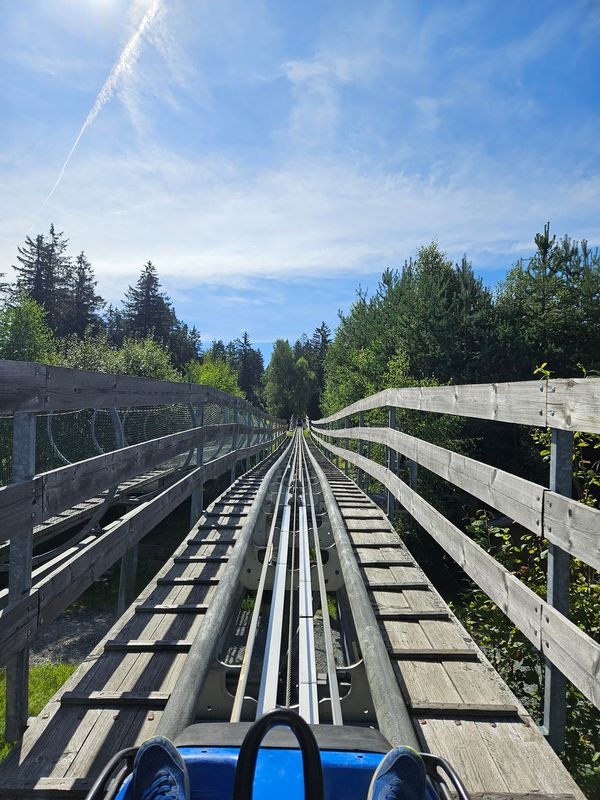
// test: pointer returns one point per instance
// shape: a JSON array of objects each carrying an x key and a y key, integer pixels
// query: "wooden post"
[
  {"x": 391, "y": 463},
  {"x": 555, "y": 684},
  {"x": 19, "y": 575},
  {"x": 197, "y": 498},
  {"x": 127, "y": 577},
  {"x": 360, "y": 476}
]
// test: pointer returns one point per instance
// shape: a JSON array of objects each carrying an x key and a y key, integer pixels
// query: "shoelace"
[{"x": 164, "y": 786}]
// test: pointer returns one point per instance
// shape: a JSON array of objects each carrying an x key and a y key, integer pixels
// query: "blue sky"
[{"x": 269, "y": 157}]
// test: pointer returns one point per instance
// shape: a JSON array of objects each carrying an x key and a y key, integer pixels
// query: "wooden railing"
[
  {"x": 571, "y": 528},
  {"x": 36, "y": 597}
]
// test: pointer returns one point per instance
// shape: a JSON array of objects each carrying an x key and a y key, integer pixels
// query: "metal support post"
[
  {"x": 197, "y": 499},
  {"x": 360, "y": 475},
  {"x": 413, "y": 471},
  {"x": 391, "y": 464},
  {"x": 555, "y": 684},
  {"x": 347, "y": 446},
  {"x": 234, "y": 442},
  {"x": 19, "y": 576}
]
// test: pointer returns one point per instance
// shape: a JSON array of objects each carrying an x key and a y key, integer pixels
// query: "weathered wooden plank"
[
  {"x": 576, "y": 655},
  {"x": 574, "y": 404},
  {"x": 516, "y": 497},
  {"x": 525, "y": 608},
  {"x": 521, "y": 402},
  {"x": 28, "y": 386},
  {"x": 573, "y": 526}
]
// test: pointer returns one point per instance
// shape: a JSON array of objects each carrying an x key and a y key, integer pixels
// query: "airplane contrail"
[{"x": 123, "y": 64}]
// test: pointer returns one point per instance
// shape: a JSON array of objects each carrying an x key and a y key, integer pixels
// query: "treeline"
[
  {"x": 435, "y": 321},
  {"x": 52, "y": 313},
  {"x": 294, "y": 379}
]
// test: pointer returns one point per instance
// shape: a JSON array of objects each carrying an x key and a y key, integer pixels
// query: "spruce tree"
[
  {"x": 42, "y": 275},
  {"x": 115, "y": 326},
  {"x": 147, "y": 310},
  {"x": 83, "y": 303}
]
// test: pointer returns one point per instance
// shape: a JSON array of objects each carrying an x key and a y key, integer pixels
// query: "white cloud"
[{"x": 306, "y": 218}]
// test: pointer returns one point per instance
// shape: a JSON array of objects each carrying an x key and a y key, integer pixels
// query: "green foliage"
[
  {"x": 144, "y": 358},
  {"x": 214, "y": 372},
  {"x": 248, "y": 603},
  {"x": 314, "y": 350},
  {"x": 24, "y": 334},
  {"x": 430, "y": 322},
  {"x": 247, "y": 361},
  {"x": 289, "y": 383},
  {"x": 332, "y": 606},
  {"x": 44, "y": 681},
  {"x": 550, "y": 309}
]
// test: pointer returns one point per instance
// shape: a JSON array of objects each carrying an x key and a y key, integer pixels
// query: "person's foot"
[
  {"x": 399, "y": 776},
  {"x": 159, "y": 772}
]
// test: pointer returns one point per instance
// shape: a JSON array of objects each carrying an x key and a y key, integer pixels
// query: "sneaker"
[
  {"x": 399, "y": 776},
  {"x": 159, "y": 772}
]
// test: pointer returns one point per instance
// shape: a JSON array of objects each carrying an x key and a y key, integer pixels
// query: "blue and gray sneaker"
[
  {"x": 399, "y": 776},
  {"x": 159, "y": 772}
]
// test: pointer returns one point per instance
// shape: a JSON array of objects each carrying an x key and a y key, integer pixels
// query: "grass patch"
[
  {"x": 44, "y": 681},
  {"x": 332, "y": 606},
  {"x": 248, "y": 603}
]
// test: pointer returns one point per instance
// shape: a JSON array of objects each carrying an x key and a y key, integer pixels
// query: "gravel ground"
[{"x": 72, "y": 636}]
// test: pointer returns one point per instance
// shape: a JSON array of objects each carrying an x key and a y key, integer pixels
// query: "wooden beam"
[
  {"x": 574, "y": 404},
  {"x": 523, "y": 402},
  {"x": 26, "y": 386}
]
